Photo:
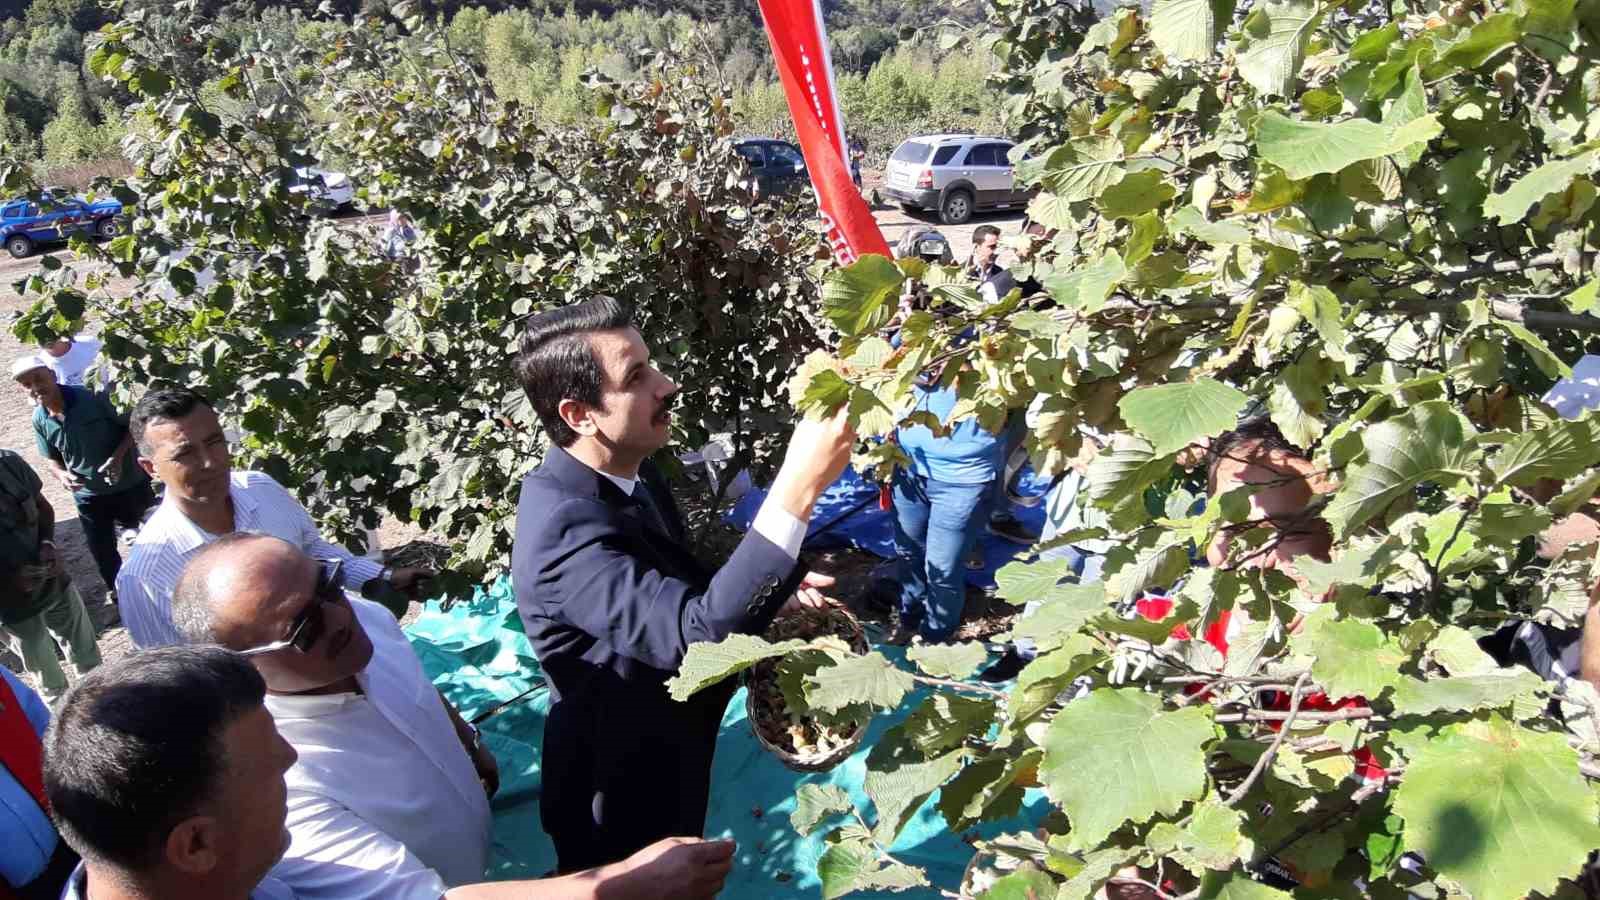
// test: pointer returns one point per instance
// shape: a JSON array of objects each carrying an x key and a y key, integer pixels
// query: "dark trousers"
[{"x": 100, "y": 514}]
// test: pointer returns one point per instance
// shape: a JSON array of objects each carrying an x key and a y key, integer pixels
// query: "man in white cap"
[{"x": 88, "y": 448}]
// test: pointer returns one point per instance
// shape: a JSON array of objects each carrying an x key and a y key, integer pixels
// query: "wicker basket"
[{"x": 805, "y": 624}]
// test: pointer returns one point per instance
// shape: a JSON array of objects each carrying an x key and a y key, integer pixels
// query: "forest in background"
[{"x": 892, "y": 79}]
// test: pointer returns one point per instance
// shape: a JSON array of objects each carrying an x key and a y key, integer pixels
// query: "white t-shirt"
[
  {"x": 71, "y": 367},
  {"x": 384, "y": 802}
]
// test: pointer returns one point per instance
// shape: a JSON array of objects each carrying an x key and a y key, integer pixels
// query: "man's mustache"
[{"x": 666, "y": 404}]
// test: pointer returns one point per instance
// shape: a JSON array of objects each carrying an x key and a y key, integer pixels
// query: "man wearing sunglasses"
[
  {"x": 390, "y": 796},
  {"x": 165, "y": 771}
]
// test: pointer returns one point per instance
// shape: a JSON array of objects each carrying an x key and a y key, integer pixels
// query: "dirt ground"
[{"x": 16, "y": 433}]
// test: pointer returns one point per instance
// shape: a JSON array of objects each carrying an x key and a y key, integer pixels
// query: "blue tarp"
[
  {"x": 479, "y": 657},
  {"x": 847, "y": 515}
]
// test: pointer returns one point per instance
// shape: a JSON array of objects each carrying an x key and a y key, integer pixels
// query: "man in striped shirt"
[{"x": 180, "y": 442}]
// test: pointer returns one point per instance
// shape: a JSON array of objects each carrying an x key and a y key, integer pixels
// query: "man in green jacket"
[{"x": 37, "y": 598}]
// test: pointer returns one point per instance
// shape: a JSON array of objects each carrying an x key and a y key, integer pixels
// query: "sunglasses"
[{"x": 307, "y": 628}]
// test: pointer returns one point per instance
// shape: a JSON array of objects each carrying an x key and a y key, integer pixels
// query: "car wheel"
[
  {"x": 956, "y": 208},
  {"x": 107, "y": 228},
  {"x": 19, "y": 246}
]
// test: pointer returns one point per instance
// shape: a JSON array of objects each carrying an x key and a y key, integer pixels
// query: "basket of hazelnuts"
[{"x": 803, "y": 739}]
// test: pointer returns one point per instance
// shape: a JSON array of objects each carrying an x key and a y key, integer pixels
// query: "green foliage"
[
  {"x": 1374, "y": 225},
  {"x": 376, "y": 385}
]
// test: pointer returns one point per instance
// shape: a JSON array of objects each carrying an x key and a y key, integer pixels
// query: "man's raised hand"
[
  {"x": 817, "y": 454},
  {"x": 678, "y": 868}
]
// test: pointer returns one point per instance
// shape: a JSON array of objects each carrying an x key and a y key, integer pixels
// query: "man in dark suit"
[{"x": 611, "y": 597}]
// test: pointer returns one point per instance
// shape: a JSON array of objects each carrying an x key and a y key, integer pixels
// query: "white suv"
[{"x": 953, "y": 175}]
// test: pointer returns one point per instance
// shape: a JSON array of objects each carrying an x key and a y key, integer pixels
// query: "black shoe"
[
  {"x": 1005, "y": 668},
  {"x": 1012, "y": 530}
]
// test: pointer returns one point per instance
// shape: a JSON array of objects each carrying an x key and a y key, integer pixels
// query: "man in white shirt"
[
  {"x": 181, "y": 443},
  {"x": 389, "y": 796},
  {"x": 165, "y": 771},
  {"x": 70, "y": 358}
]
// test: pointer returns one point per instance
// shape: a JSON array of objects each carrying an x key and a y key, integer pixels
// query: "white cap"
[{"x": 27, "y": 364}]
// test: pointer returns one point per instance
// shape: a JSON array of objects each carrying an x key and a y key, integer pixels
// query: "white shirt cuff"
[{"x": 774, "y": 523}]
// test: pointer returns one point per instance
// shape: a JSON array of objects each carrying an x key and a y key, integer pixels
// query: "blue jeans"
[{"x": 935, "y": 525}]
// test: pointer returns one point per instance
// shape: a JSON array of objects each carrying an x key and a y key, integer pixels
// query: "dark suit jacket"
[{"x": 611, "y": 604}]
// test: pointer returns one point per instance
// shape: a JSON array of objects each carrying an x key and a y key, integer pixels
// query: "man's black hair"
[
  {"x": 554, "y": 361},
  {"x": 162, "y": 405},
  {"x": 137, "y": 747},
  {"x": 1259, "y": 431},
  {"x": 983, "y": 231}
]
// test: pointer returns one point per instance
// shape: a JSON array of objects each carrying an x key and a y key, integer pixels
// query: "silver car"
[{"x": 954, "y": 175}]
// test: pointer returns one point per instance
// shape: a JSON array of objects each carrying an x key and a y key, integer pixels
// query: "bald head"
[
  {"x": 229, "y": 580},
  {"x": 248, "y": 591}
]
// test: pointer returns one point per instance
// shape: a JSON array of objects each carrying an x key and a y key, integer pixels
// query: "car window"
[
  {"x": 32, "y": 209},
  {"x": 11, "y": 211},
  {"x": 911, "y": 152},
  {"x": 980, "y": 155},
  {"x": 752, "y": 153},
  {"x": 1000, "y": 153},
  {"x": 786, "y": 154},
  {"x": 945, "y": 154}
]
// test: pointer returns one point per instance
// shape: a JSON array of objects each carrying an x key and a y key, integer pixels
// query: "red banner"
[{"x": 800, "y": 46}]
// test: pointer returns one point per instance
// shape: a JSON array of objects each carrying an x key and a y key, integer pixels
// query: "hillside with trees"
[{"x": 536, "y": 53}]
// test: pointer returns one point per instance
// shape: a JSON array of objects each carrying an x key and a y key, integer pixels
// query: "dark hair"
[
  {"x": 1259, "y": 431},
  {"x": 983, "y": 231},
  {"x": 136, "y": 748},
  {"x": 554, "y": 361},
  {"x": 162, "y": 404}
]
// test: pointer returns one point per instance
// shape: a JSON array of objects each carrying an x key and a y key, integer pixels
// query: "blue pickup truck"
[{"x": 25, "y": 224}]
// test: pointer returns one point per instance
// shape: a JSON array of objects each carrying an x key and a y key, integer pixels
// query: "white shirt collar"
[{"x": 625, "y": 483}]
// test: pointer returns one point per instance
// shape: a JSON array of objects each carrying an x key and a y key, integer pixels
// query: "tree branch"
[{"x": 1266, "y": 758}]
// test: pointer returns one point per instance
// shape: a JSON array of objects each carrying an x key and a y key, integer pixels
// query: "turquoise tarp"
[{"x": 477, "y": 655}]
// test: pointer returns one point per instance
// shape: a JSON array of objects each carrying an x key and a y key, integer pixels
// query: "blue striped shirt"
[{"x": 167, "y": 542}]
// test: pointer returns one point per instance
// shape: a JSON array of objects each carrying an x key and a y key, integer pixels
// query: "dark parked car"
[
  {"x": 25, "y": 224},
  {"x": 777, "y": 166}
]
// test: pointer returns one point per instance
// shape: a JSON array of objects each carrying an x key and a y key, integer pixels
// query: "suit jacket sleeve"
[{"x": 597, "y": 583}]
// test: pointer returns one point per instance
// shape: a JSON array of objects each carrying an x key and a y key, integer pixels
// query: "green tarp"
[{"x": 478, "y": 656}]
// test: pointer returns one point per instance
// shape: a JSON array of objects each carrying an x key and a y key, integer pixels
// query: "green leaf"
[
  {"x": 1465, "y": 693},
  {"x": 851, "y": 863},
  {"x": 1158, "y": 566},
  {"x": 1125, "y": 470},
  {"x": 1427, "y": 443},
  {"x": 942, "y": 721},
  {"x": 706, "y": 664},
  {"x": 1297, "y": 401},
  {"x": 1237, "y": 886},
  {"x": 1497, "y": 808},
  {"x": 1303, "y": 149},
  {"x": 855, "y": 680},
  {"x": 1276, "y": 44},
  {"x": 1358, "y": 567},
  {"x": 1374, "y": 45},
  {"x": 815, "y": 802},
  {"x": 1353, "y": 658},
  {"x": 1024, "y": 581},
  {"x": 1043, "y": 679},
  {"x": 1087, "y": 287},
  {"x": 948, "y": 660},
  {"x": 1561, "y": 449},
  {"x": 1082, "y": 169},
  {"x": 861, "y": 297},
  {"x": 1060, "y": 614},
  {"x": 1115, "y": 756},
  {"x": 1512, "y": 204},
  {"x": 1212, "y": 836},
  {"x": 897, "y": 792},
  {"x": 1136, "y": 194},
  {"x": 1458, "y": 652},
  {"x": 985, "y": 785},
  {"x": 1027, "y": 883},
  {"x": 1486, "y": 39},
  {"x": 1543, "y": 357},
  {"x": 1173, "y": 416},
  {"x": 1583, "y": 299},
  {"x": 1187, "y": 30}
]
